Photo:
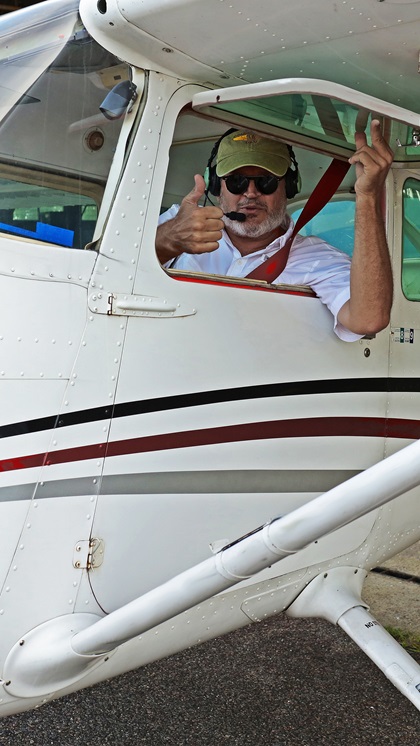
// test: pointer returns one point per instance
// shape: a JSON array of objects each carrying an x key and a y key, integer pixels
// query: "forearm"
[{"x": 369, "y": 306}]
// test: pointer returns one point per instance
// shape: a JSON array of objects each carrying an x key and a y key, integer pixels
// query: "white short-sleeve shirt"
[{"x": 311, "y": 262}]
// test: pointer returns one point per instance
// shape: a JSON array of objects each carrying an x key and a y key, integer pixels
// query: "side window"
[
  {"x": 410, "y": 273},
  {"x": 334, "y": 224},
  {"x": 39, "y": 212},
  {"x": 56, "y": 143}
]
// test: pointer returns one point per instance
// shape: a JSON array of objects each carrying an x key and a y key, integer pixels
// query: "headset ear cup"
[
  {"x": 293, "y": 180},
  {"x": 292, "y": 183},
  {"x": 213, "y": 181}
]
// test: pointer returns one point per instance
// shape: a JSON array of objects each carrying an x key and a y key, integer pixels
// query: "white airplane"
[{"x": 184, "y": 454}]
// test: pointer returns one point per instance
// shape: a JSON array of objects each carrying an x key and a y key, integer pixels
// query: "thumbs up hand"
[{"x": 194, "y": 230}]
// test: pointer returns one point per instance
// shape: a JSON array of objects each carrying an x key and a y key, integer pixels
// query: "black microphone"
[{"x": 240, "y": 216}]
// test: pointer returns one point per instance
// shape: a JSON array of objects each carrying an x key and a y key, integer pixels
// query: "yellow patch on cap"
[{"x": 247, "y": 137}]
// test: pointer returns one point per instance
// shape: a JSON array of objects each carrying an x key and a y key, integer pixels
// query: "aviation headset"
[{"x": 213, "y": 181}]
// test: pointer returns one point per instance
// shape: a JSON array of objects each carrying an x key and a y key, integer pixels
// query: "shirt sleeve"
[
  {"x": 168, "y": 214},
  {"x": 341, "y": 331}
]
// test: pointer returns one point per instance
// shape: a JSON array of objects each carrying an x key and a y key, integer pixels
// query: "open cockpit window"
[
  {"x": 56, "y": 145},
  {"x": 193, "y": 142},
  {"x": 319, "y": 119},
  {"x": 316, "y": 113}
]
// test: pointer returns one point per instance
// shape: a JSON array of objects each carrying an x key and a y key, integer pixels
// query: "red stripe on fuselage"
[{"x": 312, "y": 427}]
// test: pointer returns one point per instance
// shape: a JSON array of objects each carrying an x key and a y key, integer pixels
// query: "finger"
[
  {"x": 371, "y": 160},
  {"x": 362, "y": 118},
  {"x": 197, "y": 192},
  {"x": 370, "y": 157},
  {"x": 207, "y": 237},
  {"x": 211, "y": 223},
  {"x": 205, "y": 248},
  {"x": 207, "y": 218},
  {"x": 202, "y": 243},
  {"x": 378, "y": 150},
  {"x": 360, "y": 140},
  {"x": 378, "y": 141},
  {"x": 201, "y": 233},
  {"x": 375, "y": 132}
]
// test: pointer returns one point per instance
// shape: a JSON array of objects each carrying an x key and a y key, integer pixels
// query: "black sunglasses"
[{"x": 239, "y": 183}]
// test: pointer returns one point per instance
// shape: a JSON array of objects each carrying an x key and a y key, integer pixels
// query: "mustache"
[{"x": 251, "y": 203}]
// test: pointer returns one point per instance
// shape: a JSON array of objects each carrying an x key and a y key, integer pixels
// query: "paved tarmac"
[
  {"x": 284, "y": 682},
  {"x": 281, "y": 683}
]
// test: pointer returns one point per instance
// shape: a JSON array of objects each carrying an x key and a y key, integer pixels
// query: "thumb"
[{"x": 196, "y": 193}]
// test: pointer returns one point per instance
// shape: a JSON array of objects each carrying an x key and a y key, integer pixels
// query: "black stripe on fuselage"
[{"x": 216, "y": 396}]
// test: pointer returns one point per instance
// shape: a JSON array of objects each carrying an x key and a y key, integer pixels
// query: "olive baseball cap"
[{"x": 249, "y": 149}]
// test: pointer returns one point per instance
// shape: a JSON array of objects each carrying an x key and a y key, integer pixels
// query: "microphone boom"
[{"x": 239, "y": 216}]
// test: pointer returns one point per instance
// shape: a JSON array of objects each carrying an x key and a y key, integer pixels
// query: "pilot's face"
[{"x": 264, "y": 212}]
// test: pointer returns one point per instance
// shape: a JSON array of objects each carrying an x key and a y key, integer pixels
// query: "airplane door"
[
  {"x": 405, "y": 322},
  {"x": 234, "y": 404},
  {"x": 404, "y": 381}
]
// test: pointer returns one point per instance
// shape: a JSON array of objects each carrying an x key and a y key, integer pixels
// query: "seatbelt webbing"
[{"x": 324, "y": 190}]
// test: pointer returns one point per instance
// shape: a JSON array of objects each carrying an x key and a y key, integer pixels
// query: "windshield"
[{"x": 56, "y": 146}]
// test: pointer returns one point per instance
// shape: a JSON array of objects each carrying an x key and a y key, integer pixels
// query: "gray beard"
[{"x": 275, "y": 219}]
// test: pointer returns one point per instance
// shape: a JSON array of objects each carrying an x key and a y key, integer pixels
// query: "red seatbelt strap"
[{"x": 324, "y": 190}]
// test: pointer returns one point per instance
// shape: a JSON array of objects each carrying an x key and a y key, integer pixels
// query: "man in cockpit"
[{"x": 252, "y": 172}]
